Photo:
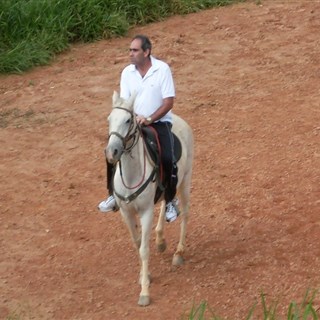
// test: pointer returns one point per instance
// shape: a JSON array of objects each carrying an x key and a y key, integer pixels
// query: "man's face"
[{"x": 137, "y": 55}]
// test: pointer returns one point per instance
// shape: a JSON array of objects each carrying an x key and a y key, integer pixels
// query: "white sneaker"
[
  {"x": 172, "y": 210},
  {"x": 108, "y": 205}
]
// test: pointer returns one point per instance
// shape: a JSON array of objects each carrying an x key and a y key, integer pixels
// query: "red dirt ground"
[{"x": 248, "y": 82}]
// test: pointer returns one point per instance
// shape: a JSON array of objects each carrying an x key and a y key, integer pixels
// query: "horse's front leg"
[
  {"x": 130, "y": 220},
  {"x": 146, "y": 225}
]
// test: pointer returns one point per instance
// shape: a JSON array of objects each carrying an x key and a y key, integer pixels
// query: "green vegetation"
[
  {"x": 303, "y": 311},
  {"x": 33, "y": 31}
]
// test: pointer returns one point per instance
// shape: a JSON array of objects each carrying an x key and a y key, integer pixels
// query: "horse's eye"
[{"x": 128, "y": 121}]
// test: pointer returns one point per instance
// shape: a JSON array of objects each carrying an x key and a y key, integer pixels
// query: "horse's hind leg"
[
  {"x": 184, "y": 191},
  {"x": 160, "y": 240}
]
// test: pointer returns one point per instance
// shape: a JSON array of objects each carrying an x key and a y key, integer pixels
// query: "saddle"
[{"x": 150, "y": 137}]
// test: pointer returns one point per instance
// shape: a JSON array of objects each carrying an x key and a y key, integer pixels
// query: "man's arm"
[{"x": 167, "y": 105}]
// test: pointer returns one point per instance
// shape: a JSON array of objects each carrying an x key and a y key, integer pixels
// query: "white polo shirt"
[{"x": 156, "y": 85}]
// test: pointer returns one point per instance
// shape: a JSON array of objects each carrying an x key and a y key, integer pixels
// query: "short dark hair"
[{"x": 145, "y": 42}]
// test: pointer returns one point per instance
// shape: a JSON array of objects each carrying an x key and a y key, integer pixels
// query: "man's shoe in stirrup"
[
  {"x": 108, "y": 205},
  {"x": 172, "y": 211}
]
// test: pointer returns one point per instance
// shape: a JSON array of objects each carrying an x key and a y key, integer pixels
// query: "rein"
[{"x": 136, "y": 134}]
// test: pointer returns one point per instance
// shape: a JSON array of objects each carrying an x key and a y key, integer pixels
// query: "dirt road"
[{"x": 248, "y": 82}]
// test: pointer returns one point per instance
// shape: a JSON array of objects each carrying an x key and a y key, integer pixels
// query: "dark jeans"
[{"x": 170, "y": 168}]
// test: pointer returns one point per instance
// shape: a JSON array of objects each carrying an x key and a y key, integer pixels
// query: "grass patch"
[
  {"x": 13, "y": 316},
  {"x": 32, "y": 32},
  {"x": 21, "y": 119},
  {"x": 303, "y": 311}
]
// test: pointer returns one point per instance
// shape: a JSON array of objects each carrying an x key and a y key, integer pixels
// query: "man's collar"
[{"x": 154, "y": 65}]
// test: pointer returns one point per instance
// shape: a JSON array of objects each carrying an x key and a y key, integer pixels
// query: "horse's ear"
[
  {"x": 130, "y": 101},
  {"x": 115, "y": 97}
]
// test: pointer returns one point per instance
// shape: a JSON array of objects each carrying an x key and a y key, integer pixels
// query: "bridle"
[
  {"x": 134, "y": 133},
  {"x": 129, "y": 134}
]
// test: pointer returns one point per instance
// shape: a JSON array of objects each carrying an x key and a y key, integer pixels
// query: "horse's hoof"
[
  {"x": 144, "y": 301},
  {"x": 177, "y": 260},
  {"x": 162, "y": 246}
]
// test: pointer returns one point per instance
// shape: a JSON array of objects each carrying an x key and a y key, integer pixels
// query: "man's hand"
[{"x": 142, "y": 121}]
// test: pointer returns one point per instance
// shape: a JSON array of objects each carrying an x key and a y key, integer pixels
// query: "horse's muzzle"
[{"x": 113, "y": 152}]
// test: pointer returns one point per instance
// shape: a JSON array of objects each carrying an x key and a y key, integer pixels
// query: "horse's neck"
[{"x": 136, "y": 164}]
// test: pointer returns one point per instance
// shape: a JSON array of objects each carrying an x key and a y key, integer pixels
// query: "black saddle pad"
[
  {"x": 152, "y": 144},
  {"x": 149, "y": 135}
]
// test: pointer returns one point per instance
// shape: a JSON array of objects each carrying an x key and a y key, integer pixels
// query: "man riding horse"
[{"x": 151, "y": 80}]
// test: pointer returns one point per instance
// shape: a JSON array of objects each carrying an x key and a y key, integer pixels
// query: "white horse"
[{"x": 135, "y": 183}]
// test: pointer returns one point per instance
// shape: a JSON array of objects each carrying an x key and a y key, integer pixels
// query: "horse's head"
[{"x": 122, "y": 126}]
